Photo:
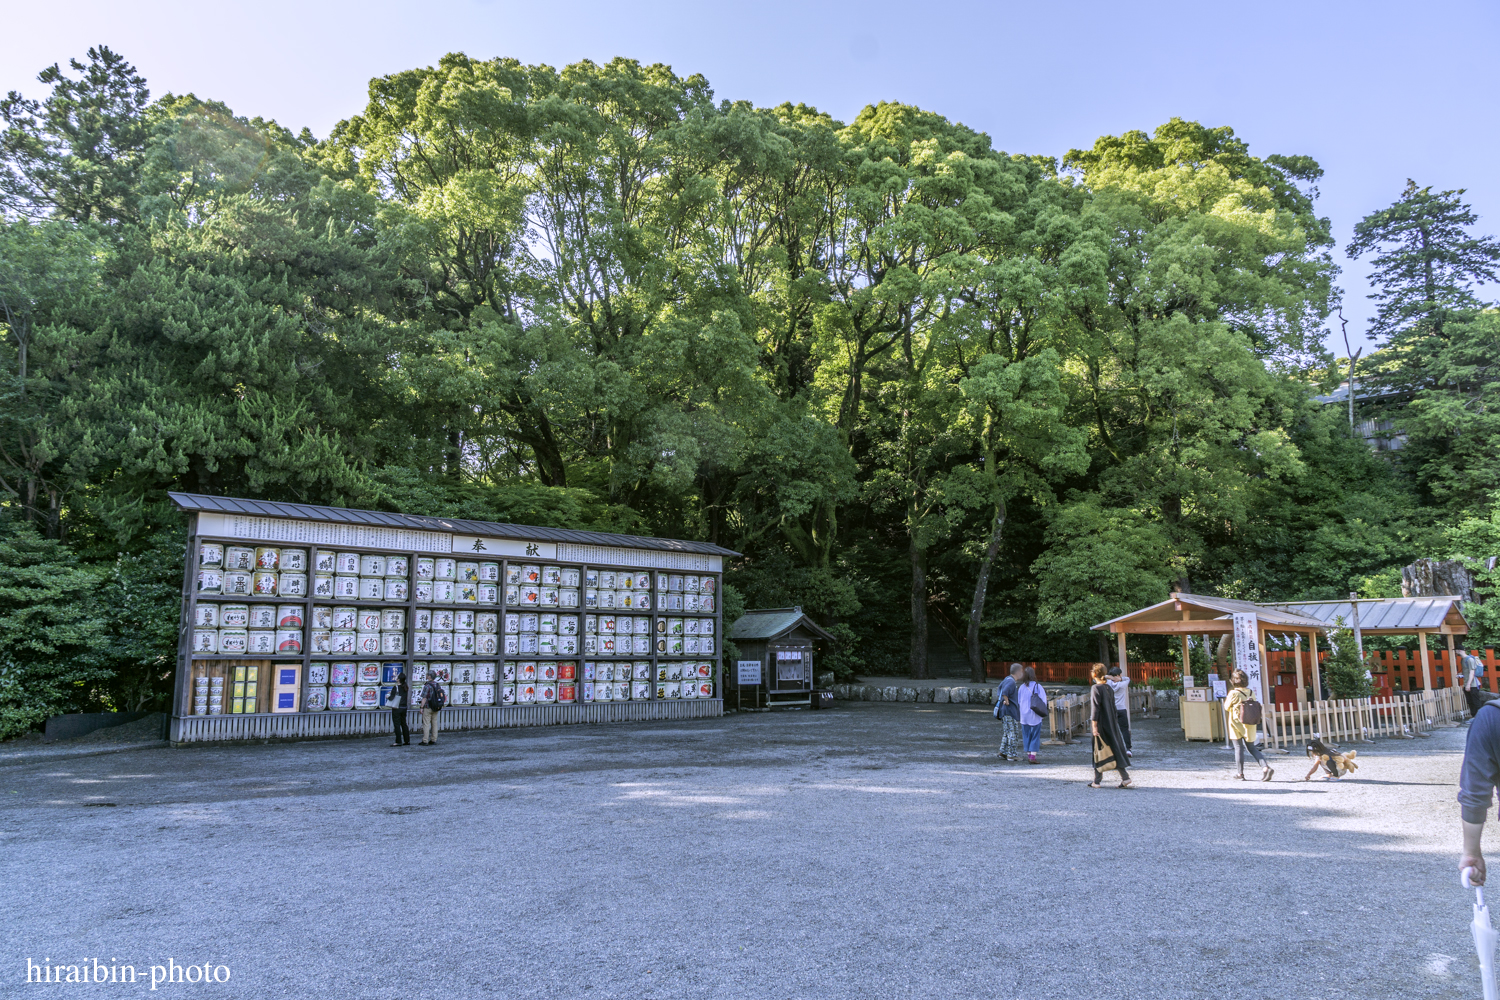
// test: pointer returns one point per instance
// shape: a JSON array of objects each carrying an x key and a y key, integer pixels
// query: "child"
[{"x": 1325, "y": 756}]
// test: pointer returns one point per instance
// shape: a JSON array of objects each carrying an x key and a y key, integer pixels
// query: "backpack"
[
  {"x": 438, "y": 699},
  {"x": 1250, "y": 713}
]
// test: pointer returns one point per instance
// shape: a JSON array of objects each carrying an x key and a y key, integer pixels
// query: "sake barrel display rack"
[{"x": 550, "y": 602}]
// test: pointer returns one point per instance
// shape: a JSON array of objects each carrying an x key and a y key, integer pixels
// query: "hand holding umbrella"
[{"x": 1485, "y": 936}]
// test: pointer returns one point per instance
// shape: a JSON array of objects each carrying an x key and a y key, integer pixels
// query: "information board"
[{"x": 747, "y": 672}]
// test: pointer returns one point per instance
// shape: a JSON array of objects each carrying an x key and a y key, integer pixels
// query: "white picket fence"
[
  {"x": 1359, "y": 720},
  {"x": 1068, "y": 714}
]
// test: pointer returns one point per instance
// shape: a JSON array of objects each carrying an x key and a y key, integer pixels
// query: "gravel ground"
[{"x": 873, "y": 851}]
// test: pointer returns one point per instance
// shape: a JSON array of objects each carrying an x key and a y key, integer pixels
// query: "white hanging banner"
[{"x": 1247, "y": 652}]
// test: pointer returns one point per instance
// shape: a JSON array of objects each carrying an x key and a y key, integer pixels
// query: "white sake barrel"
[
  {"x": 512, "y": 595},
  {"x": 367, "y": 620},
  {"x": 512, "y": 623},
  {"x": 673, "y": 603},
  {"x": 461, "y": 695},
  {"x": 463, "y": 644},
  {"x": 546, "y": 692},
  {"x": 690, "y": 645},
  {"x": 489, "y": 593},
  {"x": 444, "y": 568},
  {"x": 530, "y": 644},
  {"x": 393, "y": 642},
  {"x": 484, "y": 673},
  {"x": 294, "y": 560},
  {"x": 546, "y": 645},
  {"x": 262, "y": 642},
  {"x": 567, "y": 645},
  {"x": 546, "y": 670},
  {"x": 590, "y": 597},
  {"x": 421, "y": 643},
  {"x": 489, "y": 572},
  {"x": 234, "y": 641},
  {"x": 267, "y": 557},
  {"x": 625, "y": 599},
  {"x": 442, "y": 619},
  {"x": 525, "y": 694},
  {"x": 690, "y": 584},
  {"x": 345, "y": 642},
  {"x": 570, "y": 576},
  {"x": 507, "y": 694},
  {"x": 484, "y": 695},
  {"x": 525, "y": 671},
  {"x": 705, "y": 604},
  {"x": 367, "y": 643},
  {"x": 641, "y": 670},
  {"x": 463, "y": 619},
  {"x": 461, "y": 673},
  {"x": 345, "y": 618},
  {"x": 604, "y": 671},
  {"x": 551, "y": 576},
  {"x": 263, "y": 583},
  {"x": 486, "y": 644},
  {"x": 238, "y": 583},
  {"x": 425, "y": 568},
  {"x": 511, "y": 645},
  {"x": 604, "y": 691},
  {"x": 315, "y": 699},
  {"x": 205, "y": 640},
  {"x": 607, "y": 624},
  {"x": 239, "y": 557},
  {"x": 395, "y": 566},
  {"x": 444, "y": 591},
  {"x": 590, "y": 645},
  {"x": 347, "y": 564},
  {"x": 643, "y": 600},
  {"x": 206, "y": 615},
  {"x": 487, "y": 621},
  {"x": 639, "y": 691},
  {"x": 690, "y": 602},
  {"x": 674, "y": 626},
  {"x": 422, "y": 591},
  {"x": 531, "y": 595},
  {"x": 418, "y": 674},
  {"x": 367, "y": 697},
  {"x": 346, "y": 588},
  {"x": 367, "y": 672},
  {"x": 392, "y": 620},
  {"x": 289, "y": 616},
  {"x": 466, "y": 592},
  {"x": 421, "y": 619},
  {"x": 606, "y": 579},
  {"x": 590, "y": 624},
  {"x": 549, "y": 597},
  {"x": 211, "y": 581},
  {"x": 688, "y": 689},
  {"x": 706, "y": 585},
  {"x": 317, "y": 673},
  {"x": 288, "y": 641},
  {"x": 326, "y": 562},
  {"x": 606, "y": 645},
  {"x": 467, "y": 572},
  {"x": 234, "y": 615},
  {"x": 371, "y": 588},
  {"x": 371, "y": 565},
  {"x": 690, "y": 626},
  {"x": 547, "y": 623},
  {"x": 705, "y": 645},
  {"x": 262, "y": 616},
  {"x": 442, "y": 644},
  {"x": 396, "y": 589},
  {"x": 705, "y": 689},
  {"x": 508, "y": 672},
  {"x": 586, "y": 693},
  {"x": 322, "y": 585}
]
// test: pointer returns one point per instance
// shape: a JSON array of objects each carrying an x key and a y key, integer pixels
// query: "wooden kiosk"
[{"x": 774, "y": 668}]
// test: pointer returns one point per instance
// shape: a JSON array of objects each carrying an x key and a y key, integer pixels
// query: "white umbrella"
[{"x": 1485, "y": 937}]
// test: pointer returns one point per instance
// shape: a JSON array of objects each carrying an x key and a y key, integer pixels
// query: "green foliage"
[{"x": 1343, "y": 671}]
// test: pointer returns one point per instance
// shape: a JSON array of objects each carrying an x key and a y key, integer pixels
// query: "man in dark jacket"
[
  {"x": 399, "y": 701},
  {"x": 1476, "y": 784},
  {"x": 433, "y": 699}
]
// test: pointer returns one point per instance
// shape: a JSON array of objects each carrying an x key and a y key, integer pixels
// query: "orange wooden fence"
[{"x": 1055, "y": 672}]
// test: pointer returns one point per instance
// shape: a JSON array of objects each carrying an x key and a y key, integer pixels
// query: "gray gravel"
[{"x": 873, "y": 851}]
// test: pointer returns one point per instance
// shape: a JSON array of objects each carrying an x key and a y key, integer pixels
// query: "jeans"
[
  {"x": 429, "y": 725},
  {"x": 398, "y": 722},
  {"x": 1031, "y": 737},
  {"x": 1124, "y": 716},
  {"x": 1239, "y": 754}
]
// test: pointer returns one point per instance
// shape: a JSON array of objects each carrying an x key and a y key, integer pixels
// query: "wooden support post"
[
  {"x": 1297, "y": 658},
  {"x": 1426, "y": 662},
  {"x": 1187, "y": 659},
  {"x": 1124, "y": 668},
  {"x": 1455, "y": 680},
  {"x": 1317, "y": 671}
]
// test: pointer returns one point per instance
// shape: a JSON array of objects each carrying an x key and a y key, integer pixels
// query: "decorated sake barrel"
[
  {"x": 487, "y": 622},
  {"x": 489, "y": 593},
  {"x": 317, "y": 673},
  {"x": 461, "y": 673},
  {"x": 567, "y": 645},
  {"x": 463, "y": 644},
  {"x": 484, "y": 695},
  {"x": 367, "y": 620},
  {"x": 525, "y": 694},
  {"x": 590, "y": 624},
  {"x": 546, "y": 692},
  {"x": 463, "y": 619},
  {"x": 262, "y": 616},
  {"x": 486, "y": 644},
  {"x": 567, "y": 670},
  {"x": 371, "y": 588},
  {"x": 591, "y": 577},
  {"x": 293, "y": 560},
  {"x": 508, "y": 672},
  {"x": 267, "y": 557},
  {"x": 371, "y": 565},
  {"x": 673, "y": 602},
  {"x": 425, "y": 568},
  {"x": 586, "y": 691},
  {"x": 422, "y": 591},
  {"x": 546, "y": 622},
  {"x": 590, "y": 671},
  {"x": 418, "y": 673},
  {"x": 570, "y": 576},
  {"x": 289, "y": 616},
  {"x": 485, "y": 672},
  {"x": 645, "y": 602},
  {"x": 625, "y": 599},
  {"x": 639, "y": 690},
  {"x": 690, "y": 583},
  {"x": 529, "y": 621},
  {"x": 238, "y": 583},
  {"x": 315, "y": 698},
  {"x": 263, "y": 583},
  {"x": 510, "y": 645},
  {"x": 326, "y": 562},
  {"x": 240, "y": 557},
  {"x": 211, "y": 555},
  {"x": 389, "y": 672},
  {"x": 466, "y": 592},
  {"x": 442, "y": 619},
  {"x": 396, "y": 589},
  {"x": 262, "y": 642},
  {"x": 546, "y": 645},
  {"x": 392, "y": 620},
  {"x": 641, "y": 670},
  {"x": 690, "y": 645},
  {"x": 507, "y": 694},
  {"x": 396, "y": 566},
  {"x": 346, "y": 588},
  {"x": 345, "y": 642},
  {"x": 367, "y": 644},
  {"x": 206, "y": 615},
  {"x": 234, "y": 641},
  {"x": 466, "y": 571},
  {"x": 607, "y": 600},
  {"x": 291, "y": 584},
  {"x": 512, "y": 574},
  {"x": 345, "y": 617},
  {"x": 690, "y": 602},
  {"x": 489, "y": 572},
  {"x": 525, "y": 671},
  {"x": 393, "y": 643},
  {"x": 421, "y": 643},
  {"x": 512, "y": 595},
  {"x": 442, "y": 644},
  {"x": 548, "y": 597},
  {"x": 604, "y": 692},
  {"x": 546, "y": 670},
  {"x": 590, "y": 597},
  {"x": 567, "y": 692},
  {"x": 366, "y": 672},
  {"x": 567, "y": 597},
  {"x": 367, "y": 697},
  {"x": 705, "y": 603},
  {"x": 706, "y": 645},
  {"x": 322, "y": 585},
  {"x": 661, "y": 646},
  {"x": 444, "y": 591},
  {"x": 444, "y": 568},
  {"x": 529, "y": 644},
  {"x": 706, "y": 585},
  {"x": 690, "y": 626},
  {"x": 205, "y": 640},
  {"x": 705, "y": 689},
  {"x": 422, "y": 619},
  {"x": 606, "y": 645},
  {"x": 289, "y": 641},
  {"x": 234, "y": 615},
  {"x": 348, "y": 564},
  {"x": 606, "y": 579}
]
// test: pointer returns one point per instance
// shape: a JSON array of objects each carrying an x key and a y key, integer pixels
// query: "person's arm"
[{"x": 1476, "y": 787}]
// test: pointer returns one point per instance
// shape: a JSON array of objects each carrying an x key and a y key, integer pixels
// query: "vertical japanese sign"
[{"x": 1247, "y": 651}]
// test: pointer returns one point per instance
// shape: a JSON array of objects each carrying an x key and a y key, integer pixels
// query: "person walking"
[
  {"x": 1243, "y": 713},
  {"x": 400, "y": 698},
  {"x": 1476, "y": 785},
  {"x": 1032, "y": 699},
  {"x": 1473, "y": 693},
  {"x": 1104, "y": 720},
  {"x": 1119, "y": 683},
  {"x": 1008, "y": 711},
  {"x": 433, "y": 700}
]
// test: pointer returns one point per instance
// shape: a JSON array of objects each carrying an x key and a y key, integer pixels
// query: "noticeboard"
[{"x": 747, "y": 672}]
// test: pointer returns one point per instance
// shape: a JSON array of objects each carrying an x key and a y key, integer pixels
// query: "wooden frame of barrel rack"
[{"x": 229, "y": 522}]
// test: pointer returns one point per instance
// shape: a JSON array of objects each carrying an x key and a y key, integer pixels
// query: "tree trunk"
[
  {"x": 918, "y": 609},
  {"x": 1103, "y": 650},
  {"x": 981, "y": 591}
]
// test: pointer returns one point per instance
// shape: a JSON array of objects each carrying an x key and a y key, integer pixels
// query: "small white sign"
[{"x": 747, "y": 672}]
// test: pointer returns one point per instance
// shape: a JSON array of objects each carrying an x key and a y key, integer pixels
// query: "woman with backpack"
[
  {"x": 1243, "y": 713},
  {"x": 1104, "y": 720},
  {"x": 1032, "y": 698}
]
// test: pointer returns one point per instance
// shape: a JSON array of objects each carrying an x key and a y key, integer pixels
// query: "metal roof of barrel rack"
[
  {"x": 1389, "y": 615},
  {"x": 460, "y": 526},
  {"x": 773, "y": 623}
]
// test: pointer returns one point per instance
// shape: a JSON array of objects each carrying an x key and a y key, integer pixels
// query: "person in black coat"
[
  {"x": 1106, "y": 725},
  {"x": 400, "y": 699}
]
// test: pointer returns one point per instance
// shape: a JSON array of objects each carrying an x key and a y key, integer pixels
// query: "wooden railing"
[
  {"x": 1068, "y": 714},
  {"x": 1359, "y": 720}
]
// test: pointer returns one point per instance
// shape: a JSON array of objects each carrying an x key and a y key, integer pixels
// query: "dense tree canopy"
[{"x": 933, "y": 391}]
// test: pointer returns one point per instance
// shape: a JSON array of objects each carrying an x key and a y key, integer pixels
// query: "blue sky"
[{"x": 1376, "y": 92}]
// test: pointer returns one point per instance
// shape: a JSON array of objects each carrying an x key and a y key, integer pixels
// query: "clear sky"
[{"x": 1376, "y": 91}]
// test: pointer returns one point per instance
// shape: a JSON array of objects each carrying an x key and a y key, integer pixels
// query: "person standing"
[
  {"x": 1243, "y": 713},
  {"x": 1032, "y": 699},
  {"x": 1008, "y": 711},
  {"x": 1476, "y": 784},
  {"x": 400, "y": 698},
  {"x": 1473, "y": 693},
  {"x": 1119, "y": 683},
  {"x": 1104, "y": 721},
  {"x": 433, "y": 700}
]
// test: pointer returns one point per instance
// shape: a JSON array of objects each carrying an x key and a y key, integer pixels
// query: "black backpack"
[{"x": 438, "y": 699}]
